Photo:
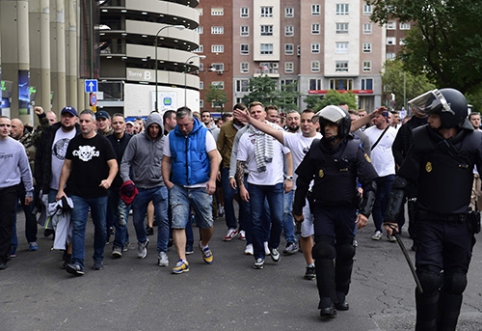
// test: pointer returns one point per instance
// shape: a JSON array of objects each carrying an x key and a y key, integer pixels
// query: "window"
[
  {"x": 218, "y": 85},
  {"x": 217, "y": 104},
  {"x": 391, "y": 25},
  {"x": 391, "y": 56},
  {"x": 244, "y": 12},
  {"x": 200, "y": 49},
  {"x": 244, "y": 67},
  {"x": 341, "y": 47},
  {"x": 289, "y": 12},
  {"x": 266, "y": 49},
  {"x": 367, "y": 47},
  {"x": 289, "y": 67},
  {"x": 200, "y": 11},
  {"x": 315, "y": 48},
  {"x": 391, "y": 41},
  {"x": 367, "y": 66},
  {"x": 266, "y": 11},
  {"x": 266, "y": 30},
  {"x": 201, "y": 104},
  {"x": 217, "y": 66},
  {"x": 367, "y": 9},
  {"x": 315, "y": 84},
  {"x": 244, "y": 30},
  {"x": 404, "y": 26},
  {"x": 342, "y": 9},
  {"x": 341, "y": 84},
  {"x": 289, "y": 30},
  {"x": 289, "y": 49},
  {"x": 315, "y": 28},
  {"x": 201, "y": 85},
  {"x": 315, "y": 10},
  {"x": 367, "y": 28},
  {"x": 242, "y": 85},
  {"x": 315, "y": 66},
  {"x": 217, "y": 11},
  {"x": 341, "y": 28},
  {"x": 244, "y": 49},
  {"x": 341, "y": 66},
  {"x": 199, "y": 29},
  {"x": 217, "y": 30},
  {"x": 217, "y": 49},
  {"x": 367, "y": 84}
]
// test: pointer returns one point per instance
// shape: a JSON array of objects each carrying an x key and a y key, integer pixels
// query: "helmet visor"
[
  {"x": 430, "y": 102},
  {"x": 331, "y": 113}
]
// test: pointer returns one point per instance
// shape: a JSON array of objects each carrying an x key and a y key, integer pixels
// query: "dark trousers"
[
  {"x": 7, "y": 213},
  {"x": 30, "y": 221}
]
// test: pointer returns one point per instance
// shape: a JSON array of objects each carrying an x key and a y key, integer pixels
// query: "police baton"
[{"x": 407, "y": 257}]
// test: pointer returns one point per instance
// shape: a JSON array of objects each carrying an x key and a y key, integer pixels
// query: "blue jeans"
[
  {"x": 274, "y": 194},
  {"x": 384, "y": 186},
  {"x": 229, "y": 206},
  {"x": 98, "y": 209},
  {"x": 159, "y": 197},
  {"x": 180, "y": 200},
  {"x": 288, "y": 221},
  {"x": 120, "y": 212},
  {"x": 30, "y": 220}
]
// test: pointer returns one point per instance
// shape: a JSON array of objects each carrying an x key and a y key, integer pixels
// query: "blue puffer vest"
[{"x": 190, "y": 161}]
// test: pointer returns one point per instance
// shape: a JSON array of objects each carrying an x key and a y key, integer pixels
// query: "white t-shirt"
[
  {"x": 59, "y": 149},
  {"x": 274, "y": 169},
  {"x": 210, "y": 146},
  {"x": 382, "y": 156},
  {"x": 299, "y": 146}
]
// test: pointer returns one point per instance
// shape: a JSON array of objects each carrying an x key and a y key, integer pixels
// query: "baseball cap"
[
  {"x": 70, "y": 110},
  {"x": 130, "y": 122},
  {"x": 102, "y": 114}
]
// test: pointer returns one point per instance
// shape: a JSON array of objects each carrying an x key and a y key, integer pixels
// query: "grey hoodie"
[{"x": 142, "y": 158}]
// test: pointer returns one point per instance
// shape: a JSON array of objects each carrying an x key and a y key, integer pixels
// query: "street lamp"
[
  {"x": 185, "y": 75},
  {"x": 179, "y": 27}
]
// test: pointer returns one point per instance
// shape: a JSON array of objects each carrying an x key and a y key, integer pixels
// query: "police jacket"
[
  {"x": 442, "y": 169},
  {"x": 335, "y": 172},
  {"x": 403, "y": 141}
]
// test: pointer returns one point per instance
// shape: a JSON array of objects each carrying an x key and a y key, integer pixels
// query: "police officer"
[
  {"x": 334, "y": 163},
  {"x": 441, "y": 163}
]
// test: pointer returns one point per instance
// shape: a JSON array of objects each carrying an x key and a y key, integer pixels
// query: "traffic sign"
[
  {"x": 90, "y": 85},
  {"x": 93, "y": 99}
]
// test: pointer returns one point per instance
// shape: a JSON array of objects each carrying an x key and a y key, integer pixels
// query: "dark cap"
[
  {"x": 70, "y": 110},
  {"x": 102, "y": 114}
]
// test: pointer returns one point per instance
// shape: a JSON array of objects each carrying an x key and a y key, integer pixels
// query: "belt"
[{"x": 443, "y": 217}]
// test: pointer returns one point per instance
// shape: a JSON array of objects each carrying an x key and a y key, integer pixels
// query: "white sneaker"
[
  {"x": 221, "y": 211},
  {"x": 162, "y": 259},
  {"x": 242, "y": 235},
  {"x": 266, "y": 249},
  {"x": 142, "y": 249},
  {"x": 230, "y": 235},
  {"x": 377, "y": 235},
  {"x": 249, "y": 250},
  {"x": 392, "y": 239}
]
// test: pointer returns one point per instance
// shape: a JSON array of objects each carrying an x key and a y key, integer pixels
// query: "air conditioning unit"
[
  {"x": 220, "y": 72},
  {"x": 298, "y": 50},
  {"x": 275, "y": 65}
]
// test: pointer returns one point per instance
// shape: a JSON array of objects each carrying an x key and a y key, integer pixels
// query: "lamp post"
[
  {"x": 179, "y": 27},
  {"x": 185, "y": 75}
]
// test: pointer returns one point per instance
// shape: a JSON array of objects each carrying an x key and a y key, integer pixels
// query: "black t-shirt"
[{"x": 89, "y": 165}]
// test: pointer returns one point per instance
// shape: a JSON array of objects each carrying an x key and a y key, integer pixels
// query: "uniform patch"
[
  {"x": 321, "y": 173},
  {"x": 428, "y": 167},
  {"x": 367, "y": 158}
]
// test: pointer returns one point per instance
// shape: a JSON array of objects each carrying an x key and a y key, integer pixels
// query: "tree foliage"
[
  {"x": 287, "y": 97},
  {"x": 445, "y": 41},
  {"x": 262, "y": 89},
  {"x": 397, "y": 81},
  {"x": 332, "y": 97},
  {"x": 217, "y": 97}
]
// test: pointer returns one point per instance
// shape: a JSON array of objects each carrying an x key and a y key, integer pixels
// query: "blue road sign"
[{"x": 90, "y": 85}]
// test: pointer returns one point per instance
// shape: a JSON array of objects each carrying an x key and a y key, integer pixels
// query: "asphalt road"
[{"x": 133, "y": 294}]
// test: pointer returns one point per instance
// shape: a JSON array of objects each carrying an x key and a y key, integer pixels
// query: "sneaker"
[
  {"x": 249, "y": 250},
  {"x": 291, "y": 248},
  {"x": 377, "y": 235},
  {"x": 126, "y": 247},
  {"x": 142, "y": 249},
  {"x": 266, "y": 249},
  {"x": 221, "y": 211},
  {"x": 230, "y": 235},
  {"x": 74, "y": 269},
  {"x": 258, "y": 264},
  {"x": 33, "y": 246},
  {"x": 181, "y": 266},
  {"x": 116, "y": 252},
  {"x": 189, "y": 249},
  {"x": 392, "y": 239},
  {"x": 150, "y": 231},
  {"x": 98, "y": 265},
  {"x": 207, "y": 254},
  {"x": 162, "y": 259},
  {"x": 242, "y": 235},
  {"x": 275, "y": 255},
  {"x": 355, "y": 243},
  {"x": 310, "y": 273}
]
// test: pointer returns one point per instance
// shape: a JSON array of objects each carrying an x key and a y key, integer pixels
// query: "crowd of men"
[{"x": 315, "y": 180}]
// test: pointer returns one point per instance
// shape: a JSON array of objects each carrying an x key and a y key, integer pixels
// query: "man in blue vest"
[{"x": 189, "y": 168}]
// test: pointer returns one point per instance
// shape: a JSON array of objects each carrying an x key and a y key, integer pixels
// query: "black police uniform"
[
  {"x": 443, "y": 171},
  {"x": 334, "y": 202}
]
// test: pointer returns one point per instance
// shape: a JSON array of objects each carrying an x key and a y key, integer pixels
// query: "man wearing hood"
[{"x": 141, "y": 163}]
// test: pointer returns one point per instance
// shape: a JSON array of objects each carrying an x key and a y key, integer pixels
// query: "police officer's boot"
[
  {"x": 325, "y": 281},
  {"x": 427, "y": 309},
  {"x": 450, "y": 305},
  {"x": 327, "y": 308}
]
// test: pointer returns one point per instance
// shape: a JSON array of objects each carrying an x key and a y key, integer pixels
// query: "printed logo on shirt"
[
  {"x": 428, "y": 167},
  {"x": 86, "y": 153},
  {"x": 6, "y": 156},
  {"x": 60, "y": 148}
]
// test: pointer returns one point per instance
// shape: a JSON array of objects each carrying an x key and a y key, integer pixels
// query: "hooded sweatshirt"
[{"x": 142, "y": 158}]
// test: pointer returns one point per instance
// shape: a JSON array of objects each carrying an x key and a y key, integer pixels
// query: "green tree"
[
  {"x": 332, "y": 97},
  {"x": 287, "y": 97},
  {"x": 397, "y": 81},
  {"x": 444, "y": 42},
  {"x": 262, "y": 89},
  {"x": 216, "y": 97},
  {"x": 312, "y": 101}
]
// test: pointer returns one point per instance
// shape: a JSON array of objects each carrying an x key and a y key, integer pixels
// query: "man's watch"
[{"x": 289, "y": 178}]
